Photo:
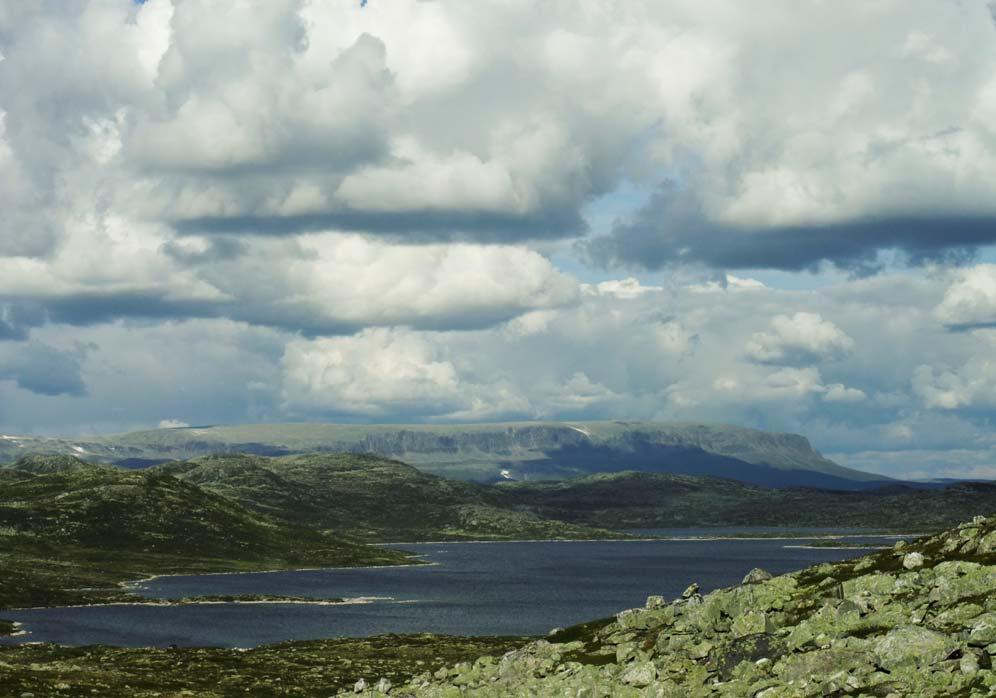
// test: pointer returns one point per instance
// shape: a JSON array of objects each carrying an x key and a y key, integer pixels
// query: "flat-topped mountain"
[{"x": 492, "y": 452}]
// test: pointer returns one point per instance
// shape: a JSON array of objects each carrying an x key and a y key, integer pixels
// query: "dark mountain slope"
[{"x": 654, "y": 500}]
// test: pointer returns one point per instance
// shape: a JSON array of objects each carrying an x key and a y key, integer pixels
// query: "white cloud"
[
  {"x": 627, "y": 288},
  {"x": 373, "y": 373},
  {"x": 800, "y": 338},
  {"x": 172, "y": 424},
  {"x": 731, "y": 283},
  {"x": 971, "y": 385},
  {"x": 971, "y": 298},
  {"x": 841, "y": 393}
]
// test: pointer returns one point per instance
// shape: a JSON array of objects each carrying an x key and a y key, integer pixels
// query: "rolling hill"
[
  {"x": 369, "y": 497},
  {"x": 76, "y": 526},
  {"x": 378, "y": 499},
  {"x": 491, "y": 452}
]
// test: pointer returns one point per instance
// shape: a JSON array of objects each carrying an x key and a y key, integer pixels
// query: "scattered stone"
[
  {"x": 691, "y": 591},
  {"x": 655, "y": 602},
  {"x": 969, "y": 663},
  {"x": 756, "y": 576},
  {"x": 640, "y": 675},
  {"x": 913, "y": 646},
  {"x": 360, "y": 686},
  {"x": 913, "y": 561}
]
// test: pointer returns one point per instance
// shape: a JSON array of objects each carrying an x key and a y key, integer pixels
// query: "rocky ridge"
[{"x": 915, "y": 620}]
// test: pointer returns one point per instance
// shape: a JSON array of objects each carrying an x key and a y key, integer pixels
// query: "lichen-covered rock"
[
  {"x": 913, "y": 646},
  {"x": 639, "y": 675},
  {"x": 756, "y": 576}
]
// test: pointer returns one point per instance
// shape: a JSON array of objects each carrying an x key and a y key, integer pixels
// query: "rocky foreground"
[{"x": 916, "y": 620}]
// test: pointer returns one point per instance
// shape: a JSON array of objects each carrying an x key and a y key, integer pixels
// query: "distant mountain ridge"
[{"x": 490, "y": 452}]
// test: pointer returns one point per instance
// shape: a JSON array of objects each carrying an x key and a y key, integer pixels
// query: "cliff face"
[{"x": 917, "y": 620}]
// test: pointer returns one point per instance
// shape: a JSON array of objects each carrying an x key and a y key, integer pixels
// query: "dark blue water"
[{"x": 470, "y": 589}]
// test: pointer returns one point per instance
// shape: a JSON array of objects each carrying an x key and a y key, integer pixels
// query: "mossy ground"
[{"x": 304, "y": 669}]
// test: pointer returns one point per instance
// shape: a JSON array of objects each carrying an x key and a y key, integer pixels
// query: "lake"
[{"x": 521, "y": 588}]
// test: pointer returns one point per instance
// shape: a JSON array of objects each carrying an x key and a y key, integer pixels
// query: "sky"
[{"x": 779, "y": 215}]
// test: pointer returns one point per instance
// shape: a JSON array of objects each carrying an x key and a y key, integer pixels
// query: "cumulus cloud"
[
  {"x": 410, "y": 118},
  {"x": 970, "y": 385},
  {"x": 620, "y": 288},
  {"x": 799, "y": 339},
  {"x": 970, "y": 300},
  {"x": 556, "y": 363},
  {"x": 375, "y": 372},
  {"x": 319, "y": 284}
]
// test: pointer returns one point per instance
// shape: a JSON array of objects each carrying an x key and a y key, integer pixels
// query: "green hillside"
[
  {"x": 85, "y": 527},
  {"x": 369, "y": 497}
]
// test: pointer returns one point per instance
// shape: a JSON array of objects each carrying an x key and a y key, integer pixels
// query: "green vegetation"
[
  {"x": 377, "y": 499},
  {"x": 72, "y": 534},
  {"x": 657, "y": 500},
  {"x": 371, "y": 498},
  {"x": 915, "y": 620},
  {"x": 319, "y": 668}
]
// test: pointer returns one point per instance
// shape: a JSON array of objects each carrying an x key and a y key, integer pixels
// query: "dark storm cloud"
[
  {"x": 219, "y": 249},
  {"x": 17, "y": 319},
  {"x": 99, "y": 308},
  {"x": 411, "y": 226},
  {"x": 671, "y": 229},
  {"x": 44, "y": 370}
]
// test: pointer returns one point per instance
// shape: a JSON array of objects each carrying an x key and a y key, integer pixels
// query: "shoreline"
[
  {"x": 819, "y": 536},
  {"x": 133, "y": 584},
  {"x": 170, "y": 603}
]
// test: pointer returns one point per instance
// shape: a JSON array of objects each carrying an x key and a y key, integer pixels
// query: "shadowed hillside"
[{"x": 655, "y": 500}]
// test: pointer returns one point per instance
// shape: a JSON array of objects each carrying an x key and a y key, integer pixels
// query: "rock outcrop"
[{"x": 917, "y": 620}]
